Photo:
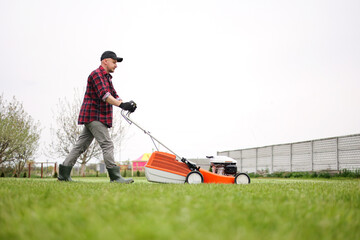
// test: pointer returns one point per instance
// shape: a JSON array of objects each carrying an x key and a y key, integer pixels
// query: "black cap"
[{"x": 110, "y": 54}]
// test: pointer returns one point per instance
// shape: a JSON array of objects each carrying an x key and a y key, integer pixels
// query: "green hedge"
[{"x": 323, "y": 174}]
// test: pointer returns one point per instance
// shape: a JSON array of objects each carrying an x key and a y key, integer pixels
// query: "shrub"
[
  {"x": 55, "y": 175},
  {"x": 278, "y": 174},
  {"x": 297, "y": 175},
  {"x": 24, "y": 175},
  {"x": 306, "y": 175},
  {"x": 349, "y": 174},
  {"x": 254, "y": 175},
  {"x": 138, "y": 173},
  {"x": 324, "y": 175},
  {"x": 345, "y": 173},
  {"x": 287, "y": 175},
  {"x": 314, "y": 175},
  {"x": 357, "y": 173}
]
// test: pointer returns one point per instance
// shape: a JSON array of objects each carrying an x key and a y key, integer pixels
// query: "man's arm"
[
  {"x": 128, "y": 106},
  {"x": 111, "y": 100}
]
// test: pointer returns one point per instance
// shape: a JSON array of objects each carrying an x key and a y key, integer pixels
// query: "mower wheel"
[
  {"x": 242, "y": 178},
  {"x": 194, "y": 177}
]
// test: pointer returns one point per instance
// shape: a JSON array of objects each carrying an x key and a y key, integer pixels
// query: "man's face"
[{"x": 110, "y": 65}]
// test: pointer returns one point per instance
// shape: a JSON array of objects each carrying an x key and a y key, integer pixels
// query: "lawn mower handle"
[{"x": 126, "y": 115}]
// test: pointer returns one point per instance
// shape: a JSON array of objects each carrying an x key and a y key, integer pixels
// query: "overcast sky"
[{"x": 207, "y": 75}]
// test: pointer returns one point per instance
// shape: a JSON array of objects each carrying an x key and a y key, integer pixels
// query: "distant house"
[
  {"x": 139, "y": 163},
  {"x": 124, "y": 167},
  {"x": 101, "y": 168}
]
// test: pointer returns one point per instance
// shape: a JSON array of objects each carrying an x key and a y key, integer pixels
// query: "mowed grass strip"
[{"x": 92, "y": 208}]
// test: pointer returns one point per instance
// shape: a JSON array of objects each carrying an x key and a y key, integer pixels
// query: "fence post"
[
  {"x": 29, "y": 164},
  {"x": 312, "y": 156},
  {"x": 41, "y": 170},
  {"x": 291, "y": 150},
  {"x": 272, "y": 158},
  {"x": 256, "y": 160},
  {"x": 337, "y": 154},
  {"x": 241, "y": 162}
]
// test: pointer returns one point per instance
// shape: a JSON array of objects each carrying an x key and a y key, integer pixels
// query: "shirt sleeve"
[
  {"x": 99, "y": 86},
  {"x": 106, "y": 96}
]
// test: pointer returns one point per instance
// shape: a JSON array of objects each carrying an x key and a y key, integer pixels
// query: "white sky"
[{"x": 207, "y": 75}]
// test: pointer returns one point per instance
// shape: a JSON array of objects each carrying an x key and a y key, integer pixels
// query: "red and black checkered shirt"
[{"x": 94, "y": 106}]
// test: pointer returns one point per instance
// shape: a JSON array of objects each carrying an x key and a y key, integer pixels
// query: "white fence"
[{"x": 331, "y": 154}]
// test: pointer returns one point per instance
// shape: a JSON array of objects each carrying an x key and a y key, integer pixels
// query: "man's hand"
[{"x": 128, "y": 106}]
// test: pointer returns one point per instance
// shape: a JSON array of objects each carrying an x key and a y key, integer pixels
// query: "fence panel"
[
  {"x": 301, "y": 157},
  {"x": 281, "y": 155},
  {"x": 349, "y": 152},
  {"x": 249, "y": 160},
  {"x": 332, "y": 154},
  {"x": 264, "y": 159}
]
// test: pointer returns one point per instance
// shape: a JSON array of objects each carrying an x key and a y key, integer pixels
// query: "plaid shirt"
[{"x": 94, "y": 106}]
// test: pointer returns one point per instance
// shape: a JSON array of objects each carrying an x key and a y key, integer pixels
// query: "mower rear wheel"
[
  {"x": 194, "y": 177},
  {"x": 242, "y": 178}
]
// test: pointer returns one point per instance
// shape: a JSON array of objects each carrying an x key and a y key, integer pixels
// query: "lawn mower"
[{"x": 163, "y": 167}]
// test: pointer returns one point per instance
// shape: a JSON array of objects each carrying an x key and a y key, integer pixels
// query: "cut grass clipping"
[{"x": 92, "y": 208}]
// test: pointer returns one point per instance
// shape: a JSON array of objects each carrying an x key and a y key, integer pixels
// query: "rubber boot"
[
  {"x": 64, "y": 173},
  {"x": 115, "y": 176}
]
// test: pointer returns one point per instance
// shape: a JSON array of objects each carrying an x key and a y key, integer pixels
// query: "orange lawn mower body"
[{"x": 164, "y": 168}]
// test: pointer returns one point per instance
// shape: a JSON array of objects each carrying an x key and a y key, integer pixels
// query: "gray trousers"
[{"x": 92, "y": 130}]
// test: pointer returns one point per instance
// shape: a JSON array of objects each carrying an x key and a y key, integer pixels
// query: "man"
[{"x": 96, "y": 116}]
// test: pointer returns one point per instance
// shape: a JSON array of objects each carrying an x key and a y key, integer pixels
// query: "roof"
[{"x": 143, "y": 157}]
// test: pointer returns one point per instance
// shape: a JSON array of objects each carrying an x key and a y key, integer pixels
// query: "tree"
[
  {"x": 67, "y": 131},
  {"x": 19, "y": 135}
]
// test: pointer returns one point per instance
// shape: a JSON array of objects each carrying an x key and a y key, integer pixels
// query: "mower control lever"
[{"x": 191, "y": 165}]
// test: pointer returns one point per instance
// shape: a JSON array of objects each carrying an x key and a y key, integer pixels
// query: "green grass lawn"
[{"x": 92, "y": 208}]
